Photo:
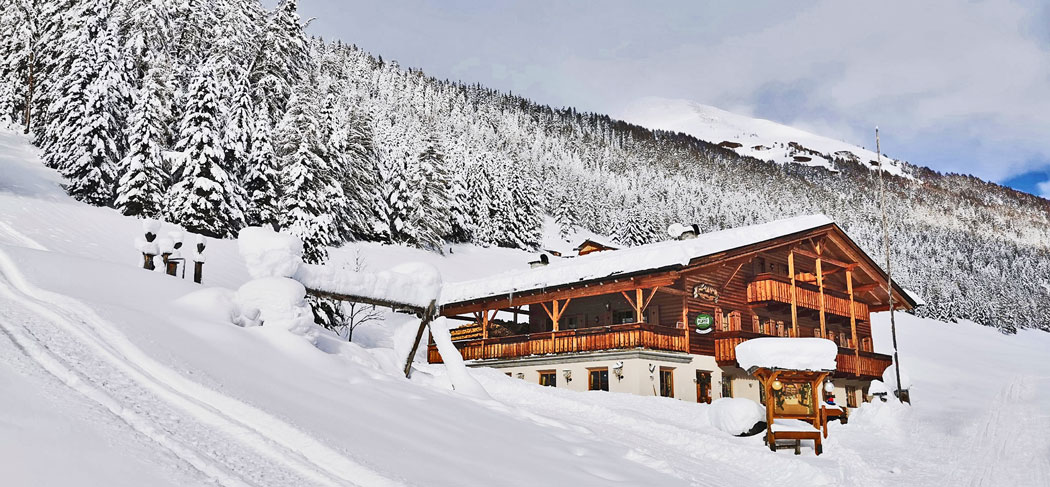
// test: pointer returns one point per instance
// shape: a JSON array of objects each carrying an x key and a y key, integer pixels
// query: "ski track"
[{"x": 231, "y": 442}]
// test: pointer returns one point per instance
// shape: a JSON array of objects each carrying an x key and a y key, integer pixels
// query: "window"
[
  {"x": 549, "y": 378},
  {"x": 598, "y": 379},
  {"x": 666, "y": 381},
  {"x": 761, "y": 394},
  {"x": 727, "y": 386},
  {"x": 620, "y": 317},
  {"x": 851, "y": 396}
]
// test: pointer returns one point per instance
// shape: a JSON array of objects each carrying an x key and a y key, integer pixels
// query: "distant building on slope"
[{"x": 665, "y": 318}]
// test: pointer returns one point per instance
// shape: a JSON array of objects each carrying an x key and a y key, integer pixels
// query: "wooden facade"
[{"x": 814, "y": 283}]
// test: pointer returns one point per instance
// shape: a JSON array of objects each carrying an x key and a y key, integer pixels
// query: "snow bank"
[
  {"x": 461, "y": 379},
  {"x": 735, "y": 415},
  {"x": 599, "y": 265},
  {"x": 787, "y": 353},
  {"x": 269, "y": 253},
  {"x": 413, "y": 283},
  {"x": 220, "y": 304},
  {"x": 281, "y": 303},
  {"x": 889, "y": 377}
]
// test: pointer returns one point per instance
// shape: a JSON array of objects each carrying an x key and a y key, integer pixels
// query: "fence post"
[{"x": 198, "y": 261}]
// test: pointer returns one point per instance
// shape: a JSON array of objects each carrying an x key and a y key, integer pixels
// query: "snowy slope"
[
  {"x": 758, "y": 138},
  {"x": 107, "y": 381}
]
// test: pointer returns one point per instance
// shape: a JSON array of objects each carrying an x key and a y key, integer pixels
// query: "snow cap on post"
[
  {"x": 150, "y": 225},
  {"x": 814, "y": 354},
  {"x": 268, "y": 253}
]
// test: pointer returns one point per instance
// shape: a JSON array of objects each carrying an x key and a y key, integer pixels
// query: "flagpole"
[{"x": 889, "y": 278}]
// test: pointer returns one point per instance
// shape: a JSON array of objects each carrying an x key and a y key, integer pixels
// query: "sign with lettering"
[
  {"x": 705, "y": 292},
  {"x": 704, "y": 323}
]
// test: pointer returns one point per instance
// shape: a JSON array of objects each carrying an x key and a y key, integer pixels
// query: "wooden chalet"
[{"x": 665, "y": 318}]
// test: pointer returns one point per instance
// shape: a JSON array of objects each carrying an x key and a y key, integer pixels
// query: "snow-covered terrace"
[{"x": 626, "y": 262}]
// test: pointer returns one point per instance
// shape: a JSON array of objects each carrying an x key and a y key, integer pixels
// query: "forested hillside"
[{"x": 218, "y": 114}]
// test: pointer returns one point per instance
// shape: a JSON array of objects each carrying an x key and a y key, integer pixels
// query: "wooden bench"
[{"x": 795, "y": 431}]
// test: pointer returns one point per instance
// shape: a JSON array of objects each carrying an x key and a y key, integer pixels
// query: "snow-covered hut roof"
[
  {"x": 814, "y": 354},
  {"x": 623, "y": 262}
]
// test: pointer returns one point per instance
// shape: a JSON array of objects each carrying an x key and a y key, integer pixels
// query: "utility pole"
[{"x": 889, "y": 278}]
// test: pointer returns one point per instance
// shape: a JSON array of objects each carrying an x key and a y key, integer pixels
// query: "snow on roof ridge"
[{"x": 627, "y": 260}]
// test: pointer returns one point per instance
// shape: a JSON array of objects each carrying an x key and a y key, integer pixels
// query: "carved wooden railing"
[
  {"x": 633, "y": 335},
  {"x": 769, "y": 288},
  {"x": 849, "y": 363}
]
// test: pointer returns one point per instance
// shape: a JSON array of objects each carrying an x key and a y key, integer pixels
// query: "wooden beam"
[
  {"x": 820, "y": 288},
  {"x": 581, "y": 291},
  {"x": 671, "y": 290},
  {"x": 852, "y": 312},
  {"x": 638, "y": 305},
  {"x": 813, "y": 255},
  {"x": 794, "y": 294},
  {"x": 731, "y": 276}
]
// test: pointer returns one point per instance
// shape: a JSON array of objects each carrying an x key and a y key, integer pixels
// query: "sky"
[{"x": 959, "y": 86}]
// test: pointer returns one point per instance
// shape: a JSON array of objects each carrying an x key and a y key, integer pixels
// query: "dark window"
[
  {"x": 727, "y": 386},
  {"x": 666, "y": 382},
  {"x": 851, "y": 396},
  {"x": 620, "y": 317},
  {"x": 548, "y": 378},
  {"x": 703, "y": 386},
  {"x": 598, "y": 380}
]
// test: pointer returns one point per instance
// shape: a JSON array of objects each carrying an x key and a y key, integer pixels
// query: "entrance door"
[{"x": 703, "y": 386}]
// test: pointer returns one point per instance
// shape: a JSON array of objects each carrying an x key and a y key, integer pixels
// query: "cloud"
[{"x": 1044, "y": 189}]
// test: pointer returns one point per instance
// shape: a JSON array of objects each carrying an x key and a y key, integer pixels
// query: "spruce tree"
[
  {"x": 140, "y": 190},
  {"x": 203, "y": 199},
  {"x": 262, "y": 182},
  {"x": 305, "y": 208}
]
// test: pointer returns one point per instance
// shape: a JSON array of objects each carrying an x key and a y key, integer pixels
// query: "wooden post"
[
  {"x": 794, "y": 294},
  {"x": 556, "y": 316},
  {"x": 685, "y": 323},
  {"x": 638, "y": 306},
  {"x": 198, "y": 262},
  {"x": 852, "y": 312},
  {"x": 428, "y": 316},
  {"x": 484, "y": 323},
  {"x": 820, "y": 287}
]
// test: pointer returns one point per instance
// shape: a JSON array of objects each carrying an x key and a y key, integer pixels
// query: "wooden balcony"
[
  {"x": 616, "y": 337},
  {"x": 769, "y": 288},
  {"x": 864, "y": 365}
]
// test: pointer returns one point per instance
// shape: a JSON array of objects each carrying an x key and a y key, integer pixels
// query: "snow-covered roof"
[
  {"x": 815, "y": 354},
  {"x": 599, "y": 265}
]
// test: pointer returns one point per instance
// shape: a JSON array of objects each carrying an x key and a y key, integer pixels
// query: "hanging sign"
[
  {"x": 705, "y": 292},
  {"x": 704, "y": 323}
]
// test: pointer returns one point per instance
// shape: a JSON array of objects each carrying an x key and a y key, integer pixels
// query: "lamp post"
[{"x": 889, "y": 278}]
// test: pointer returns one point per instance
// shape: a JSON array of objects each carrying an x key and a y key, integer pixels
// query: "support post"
[
  {"x": 820, "y": 288},
  {"x": 794, "y": 294},
  {"x": 852, "y": 312},
  {"x": 484, "y": 323},
  {"x": 638, "y": 318},
  {"x": 428, "y": 316}
]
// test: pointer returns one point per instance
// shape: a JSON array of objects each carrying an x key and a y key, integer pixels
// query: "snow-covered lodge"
[{"x": 665, "y": 318}]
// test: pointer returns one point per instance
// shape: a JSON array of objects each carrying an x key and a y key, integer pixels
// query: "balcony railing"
[
  {"x": 633, "y": 335},
  {"x": 863, "y": 364},
  {"x": 771, "y": 288}
]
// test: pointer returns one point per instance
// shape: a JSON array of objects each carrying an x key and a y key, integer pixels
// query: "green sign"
[{"x": 704, "y": 322}]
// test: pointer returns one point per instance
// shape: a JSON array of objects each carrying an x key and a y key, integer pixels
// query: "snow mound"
[
  {"x": 281, "y": 303},
  {"x": 889, "y": 377},
  {"x": 735, "y": 415},
  {"x": 412, "y": 283},
  {"x": 461, "y": 379},
  {"x": 269, "y": 253},
  {"x": 787, "y": 353}
]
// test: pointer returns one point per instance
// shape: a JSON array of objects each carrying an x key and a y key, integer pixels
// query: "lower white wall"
[{"x": 641, "y": 369}]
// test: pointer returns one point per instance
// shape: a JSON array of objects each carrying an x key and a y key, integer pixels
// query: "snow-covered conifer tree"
[
  {"x": 262, "y": 181},
  {"x": 140, "y": 190},
  {"x": 203, "y": 198}
]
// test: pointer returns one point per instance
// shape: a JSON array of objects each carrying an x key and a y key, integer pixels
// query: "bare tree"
[{"x": 352, "y": 315}]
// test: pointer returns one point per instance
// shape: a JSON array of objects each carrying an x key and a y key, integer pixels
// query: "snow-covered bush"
[
  {"x": 281, "y": 303},
  {"x": 268, "y": 253},
  {"x": 735, "y": 415}
]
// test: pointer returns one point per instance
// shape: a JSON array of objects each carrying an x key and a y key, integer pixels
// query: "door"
[{"x": 703, "y": 386}]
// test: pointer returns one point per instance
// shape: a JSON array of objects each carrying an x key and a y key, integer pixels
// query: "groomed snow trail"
[{"x": 230, "y": 442}]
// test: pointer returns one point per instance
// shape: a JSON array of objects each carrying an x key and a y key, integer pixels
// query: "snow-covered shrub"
[
  {"x": 269, "y": 253},
  {"x": 281, "y": 303},
  {"x": 735, "y": 415}
]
